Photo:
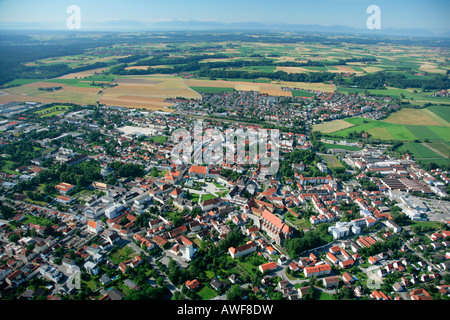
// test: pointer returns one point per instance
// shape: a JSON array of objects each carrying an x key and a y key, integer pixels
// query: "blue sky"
[{"x": 430, "y": 15}]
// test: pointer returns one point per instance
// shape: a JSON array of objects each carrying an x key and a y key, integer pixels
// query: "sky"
[{"x": 430, "y": 15}]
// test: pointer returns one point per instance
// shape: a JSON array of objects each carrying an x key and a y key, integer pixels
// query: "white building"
[
  {"x": 113, "y": 211},
  {"x": 50, "y": 272},
  {"x": 94, "y": 226}
]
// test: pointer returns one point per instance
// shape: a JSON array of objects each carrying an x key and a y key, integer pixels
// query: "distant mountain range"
[{"x": 194, "y": 25}]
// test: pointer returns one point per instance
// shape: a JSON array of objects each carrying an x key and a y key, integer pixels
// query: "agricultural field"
[
  {"x": 212, "y": 89},
  {"x": 425, "y": 132},
  {"x": 269, "y": 88},
  {"x": 341, "y": 146},
  {"x": 426, "y": 153},
  {"x": 302, "y": 93},
  {"x": 256, "y": 66},
  {"x": 70, "y": 92},
  {"x": 421, "y": 117},
  {"x": 148, "y": 92},
  {"x": 332, "y": 126},
  {"x": 76, "y": 60},
  {"x": 404, "y": 125}
]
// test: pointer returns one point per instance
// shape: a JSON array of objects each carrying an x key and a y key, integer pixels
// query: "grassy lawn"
[
  {"x": 206, "y": 293},
  {"x": 7, "y": 166},
  {"x": 122, "y": 254},
  {"x": 332, "y": 161},
  {"x": 37, "y": 220},
  {"x": 194, "y": 197},
  {"x": 298, "y": 222},
  {"x": 222, "y": 194},
  {"x": 249, "y": 267},
  {"x": 91, "y": 284},
  {"x": 208, "y": 196},
  {"x": 325, "y": 296},
  {"x": 158, "y": 139},
  {"x": 429, "y": 224}
]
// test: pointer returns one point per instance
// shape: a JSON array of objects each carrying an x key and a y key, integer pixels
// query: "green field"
[
  {"x": 340, "y": 146},
  {"x": 419, "y": 151},
  {"x": 332, "y": 161},
  {"x": 442, "y": 147},
  {"x": 158, "y": 139},
  {"x": 52, "y": 111},
  {"x": 302, "y": 93},
  {"x": 422, "y": 153},
  {"x": 206, "y": 293},
  {"x": 390, "y": 131},
  {"x": 118, "y": 255},
  {"x": 441, "y": 111},
  {"x": 212, "y": 89},
  {"x": 7, "y": 166}
]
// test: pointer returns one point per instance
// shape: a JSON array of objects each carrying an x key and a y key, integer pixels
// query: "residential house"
[{"x": 94, "y": 226}]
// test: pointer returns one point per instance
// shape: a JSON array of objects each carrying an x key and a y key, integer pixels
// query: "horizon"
[{"x": 141, "y": 15}]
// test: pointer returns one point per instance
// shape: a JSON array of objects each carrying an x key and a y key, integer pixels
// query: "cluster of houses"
[{"x": 111, "y": 211}]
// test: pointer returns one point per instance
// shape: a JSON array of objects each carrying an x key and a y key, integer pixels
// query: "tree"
[
  {"x": 7, "y": 212},
  {"x": 234, "y": 293},
  {"x": 14, "y": 238}
]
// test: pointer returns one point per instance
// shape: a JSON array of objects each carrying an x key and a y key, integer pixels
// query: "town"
[{"x": 94, "y": 207}]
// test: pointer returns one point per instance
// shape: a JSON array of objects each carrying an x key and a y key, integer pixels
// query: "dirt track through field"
[{"x": 435, "y": 150}]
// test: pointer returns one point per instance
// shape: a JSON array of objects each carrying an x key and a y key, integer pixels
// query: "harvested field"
[
  {"x": 273, "y": 88},
  {"x": 371, "y": 69},
  {"x": 66, "y": 94},
  {"x": 412, "y": 117},
  {"x": 82, "y": 74},
  {"x": 139, "y": 81},
  {"x": 332, "y": 126},
  {"x": 210, "y": 83},
  {"x": 344, "y": 69},
  {"x": 137, "y": 68},
  {"x": 431, "y": 67},
  {"x": 306, "y": 85},
  {"x": 146, "y": 92}
]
